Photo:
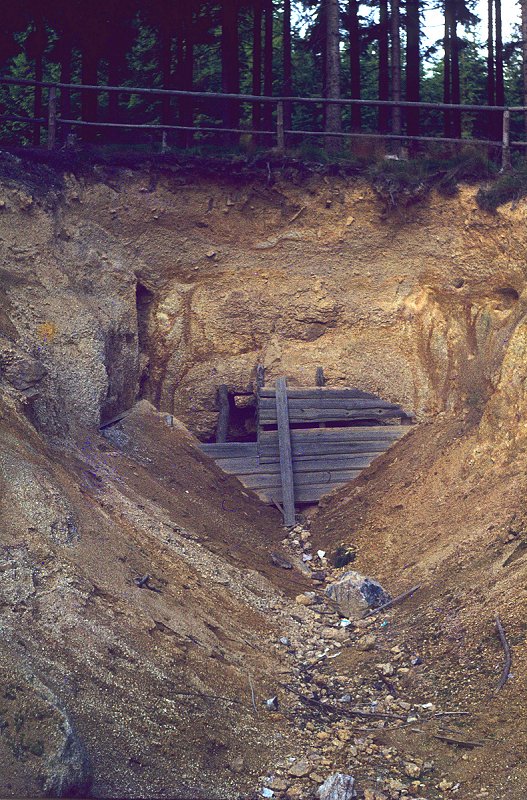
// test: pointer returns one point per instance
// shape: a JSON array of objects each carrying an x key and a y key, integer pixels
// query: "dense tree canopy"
[{"x": 375, "y": 49}]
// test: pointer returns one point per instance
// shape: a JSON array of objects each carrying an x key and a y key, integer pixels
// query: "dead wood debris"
[
  {"x": 328, "y": 708},
  {"x": 390, "y": 603},
  {"x": 459, "y": 742},
  {"x": 508, "y": 655}
]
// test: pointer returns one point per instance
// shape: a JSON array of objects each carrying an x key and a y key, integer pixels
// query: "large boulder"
[{"x": 354, "y": 594}]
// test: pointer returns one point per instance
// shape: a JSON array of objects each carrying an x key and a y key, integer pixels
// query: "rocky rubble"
[{"x": 343, "y": 720}]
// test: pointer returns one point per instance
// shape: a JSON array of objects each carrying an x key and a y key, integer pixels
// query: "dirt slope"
[
  {"x": 153, "y": 682},
  {"x": 446, "y": 509}
]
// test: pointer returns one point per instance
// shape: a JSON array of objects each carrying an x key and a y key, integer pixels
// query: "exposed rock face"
[
  {"x": 168, "y": 285},
  {"x": 40, "y": 752},
  {"x": 337, "y": 787},
  {"x": 354, "y": 594}
]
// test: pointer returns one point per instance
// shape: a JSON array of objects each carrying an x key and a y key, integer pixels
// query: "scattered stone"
[
  {"x": 318, "y": 575},
  {"x": 386, "y": 669},
  {"x": 279, "y": 561},
  {"x": 412, "y": 770},
  {"x": 354, "y": 594},
  {"x": 284, "y": 640},
  {"x": 278, "y": 784},
  {"x": 337, "y": 787},
  {"x": 366, "y": 643},
  {"x": 315, "y": 777},
  {"x": 300, "y": 769},
  {"x": 305, "y": 599}
]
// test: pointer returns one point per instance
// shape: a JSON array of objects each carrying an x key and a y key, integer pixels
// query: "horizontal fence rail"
[{"x": 280, "y": 132}]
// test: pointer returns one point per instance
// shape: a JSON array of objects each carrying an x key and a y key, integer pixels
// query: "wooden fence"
[{"x": 281, "y": 135}]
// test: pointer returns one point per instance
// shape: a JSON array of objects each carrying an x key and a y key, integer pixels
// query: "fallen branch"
[
  {"x": 331, "y": 709},
  {"x": 459, "y": 742},
  {"x": 252, "y": 695},
  {"x": 508, "y": 656},
  {"x": 393, "y": 602}
]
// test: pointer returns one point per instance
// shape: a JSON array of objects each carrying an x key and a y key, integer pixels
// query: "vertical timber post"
[
  {"x": 506, "y": 141},
  {"x": 222, "y": 428},
  {"x": 280, "y": 132},
  {"x": 260, "y": 383},
  {"x": 52, "y": 117},
  {"x": 286, "y": 456},
  {"x": 319, "y": 377}
]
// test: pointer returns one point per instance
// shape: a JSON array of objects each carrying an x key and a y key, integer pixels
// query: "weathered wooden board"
[
  {"x": 321, "y": 392},
  {"x": 268, "y": 417},
  {"x": 231, "y": 449},
  {"x": 362, "y": 433},
  {"x": 301, "y": 479},
  {"x": 286, "y": 457},
  {"x": 268, "y": 404},
  {"x": 307, "y": 452},
  {"x": 252, "y": 466}
]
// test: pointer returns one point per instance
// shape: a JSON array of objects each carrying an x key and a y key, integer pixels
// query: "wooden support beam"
[
  {"x": 319, "y": 377},
  {"x": 286, "y": 458},
  {"x": 222, "y": 428}
]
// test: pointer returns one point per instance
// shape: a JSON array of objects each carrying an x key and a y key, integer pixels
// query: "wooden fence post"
[
  {"x": 280, "y": 133},
  {"x": 286, "y": 455},
  {"x": 52, "y": 117},
  {"x": 222, "y": 428},
  {"x": 506, "y": 141}
]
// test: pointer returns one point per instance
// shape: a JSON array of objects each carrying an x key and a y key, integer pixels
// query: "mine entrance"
[{"x": 309, "y": 441}]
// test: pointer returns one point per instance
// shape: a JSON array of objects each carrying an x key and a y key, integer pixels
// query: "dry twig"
[
  {"x": 459, "y": 742},
  {"x": 508, "y": 656},
  {"x": 252, "y": 695},
  {"x": 393, "y": 602}
]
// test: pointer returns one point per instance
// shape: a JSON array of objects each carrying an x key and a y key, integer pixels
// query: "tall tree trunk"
[
  {"x": 116, "y": 61},
  {"x": 456, "y": 83},
  {"x": 354, "y": 58},
  {"x": 230, "y": 66},
  {"x": 65, "y": 77},
  {"x": 523, "y": 7},
  {"x": 413, "y": 64},
  {"x": 89, "y": 76},
  {"x": 447, "y": 64},
  {"x": 40, "y": 40},
  {"x": 287, "y": 63},
  {"x": 166, "y": 72},
  {"x": 186, "y": 72},
  {"x": 384, "y": 65},
  {"x": 491, "y": 86},
  {"x": 396, "y": 67},
  {"x": 333, "y": 117},
  {"x": 257, "y": 64},
  {"x": 268, "y": 64},
  {"x": 500, "y": 86}
]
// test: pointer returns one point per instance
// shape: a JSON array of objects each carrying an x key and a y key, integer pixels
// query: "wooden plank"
[
  {"x": 314, "y": 392},
  {"x": 268, "y": 403},
  {"x": 319, "y": 478},
  {"x": 253, "y": 466},
  {"x": 268, "y": 417},
  {"x": 230, "y": 449},
  {"x": 305, "y": 494},
  {"x": 286, "y": 459},
  {"x": 357, "y": 433},
  {"x": 307, "y": 452}
]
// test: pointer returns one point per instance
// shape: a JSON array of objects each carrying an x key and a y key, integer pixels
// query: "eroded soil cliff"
[{"x": 156, "y": 286}]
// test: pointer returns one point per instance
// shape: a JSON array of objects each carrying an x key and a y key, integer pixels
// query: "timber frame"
[{"x": 310, "y": 440}]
